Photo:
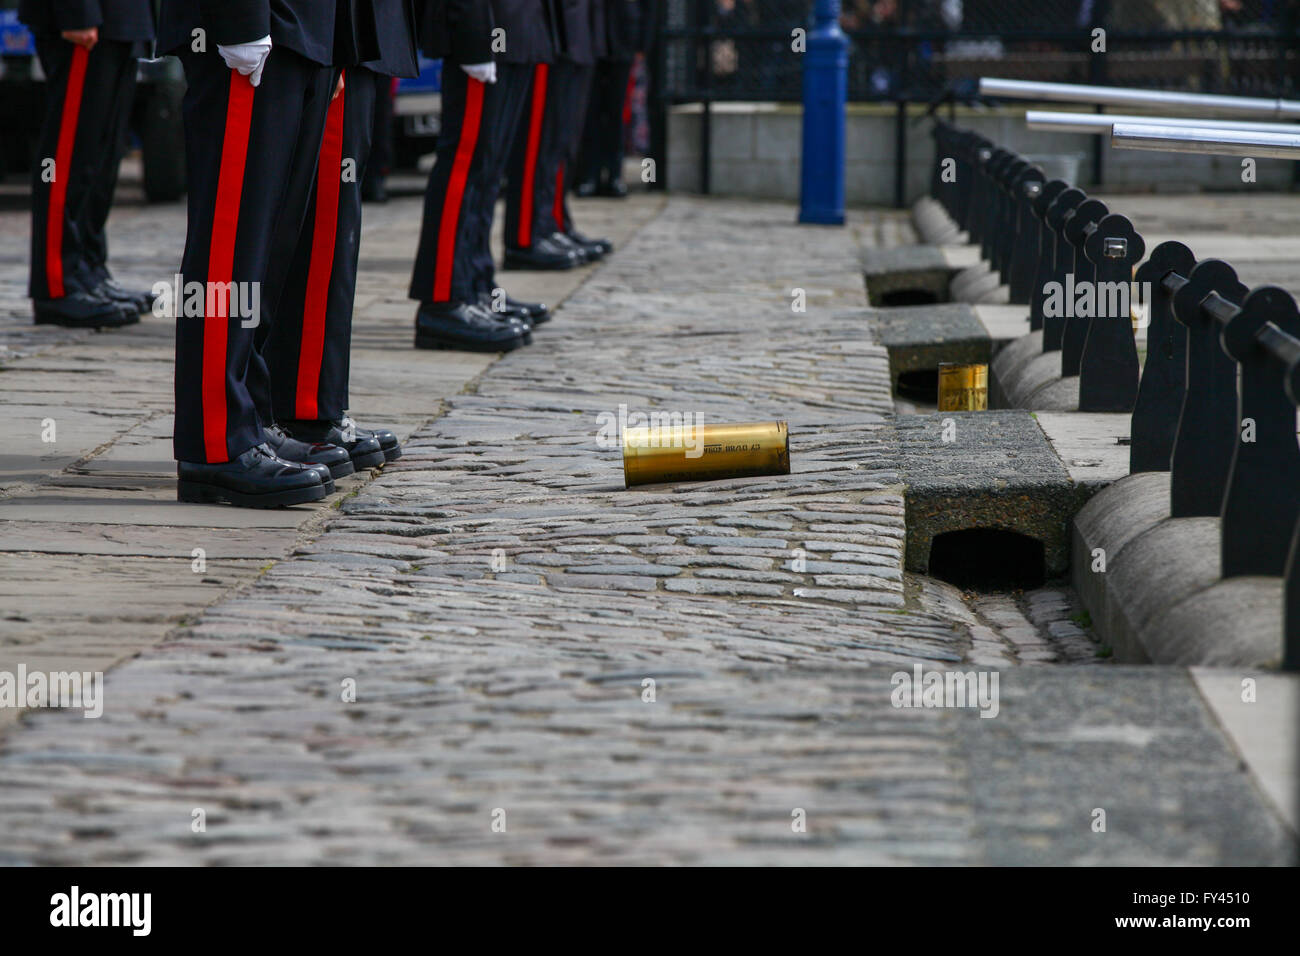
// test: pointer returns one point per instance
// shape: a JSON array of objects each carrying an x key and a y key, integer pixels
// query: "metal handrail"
[
  {"x": 1206, "y": 140},
  {"x": 1097, "y": 123},
  {"x": 1135, "y": 97}
]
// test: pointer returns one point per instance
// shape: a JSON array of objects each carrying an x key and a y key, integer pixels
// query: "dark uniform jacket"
[
  {"x": 575, "y": 32},
  {"x": 328, "y": 32},
  {"x": 395, "y": 20},
  {"x": 530, "y": 30},
  {"x": 456, "y": 30},
  {"x": 116, "y": 19},
  {"x": 625, "y": 28}
]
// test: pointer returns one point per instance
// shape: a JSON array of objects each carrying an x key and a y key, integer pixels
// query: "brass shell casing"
[
  {"x": 963, "y": 388},
  {"x": 705, "y": 452}
]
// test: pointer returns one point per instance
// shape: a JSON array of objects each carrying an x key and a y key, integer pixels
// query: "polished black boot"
[
  {"x": 83, "y": 310},
  {"x": 334, "y": 457},
  {"x": 584, "y": 255},
  {"x": 140, "y": 301},
  {"x": 362, "y": 447},
  {"x": 543, "y": 254},
  {"x": 387, "y": 439},
  {"x": 529, "y": 313},
  {"x": 595, "y": 248},
  {"x": 614, "y": 189},
  {"x": 465, "y": 328},
  {"x": 256, "y": 479}
]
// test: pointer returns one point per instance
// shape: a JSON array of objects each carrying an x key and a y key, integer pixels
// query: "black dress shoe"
[
  {"x": 140, "y": 301},
  {"x": 83, "y": 310},
  {"x": 597, "y": 248},
  {"x": 537, "y": 312},
  {"x": 465, "y": 328},
  {"x": 334, "y": 457},
  {"x": 584, "y": 255},
  {"x": 256, "y": 479},
  {"x": 387, "y": 439},
  {"x": 542, "y": 254},
  {"x": 614, "y": 189},
  {"x": 529, "y": 313},
  {"x": 586, "y": 189},
  {"x": 363, "y": 447}
]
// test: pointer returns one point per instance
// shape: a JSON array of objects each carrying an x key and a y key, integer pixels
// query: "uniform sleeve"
[
  {"x": 77, "y": 14},
  {"x": 470, "y": 23},
  {"x": 235, "y": 21}
]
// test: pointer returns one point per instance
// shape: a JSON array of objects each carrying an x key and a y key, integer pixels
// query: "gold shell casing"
[
  {"x": 705, "y": 452},
  {"x": 963, "y": 388}
]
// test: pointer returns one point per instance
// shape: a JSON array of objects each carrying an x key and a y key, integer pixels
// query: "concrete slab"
[
  {"x": 923, "y": 336},
  {"x": 1262, "y": 728},
  {"x": 1005, "y": 324},
  {"x": 1093, "y": 445},
  {"x": 904, "y": 272},
  {"x": 998, "y": 471}
]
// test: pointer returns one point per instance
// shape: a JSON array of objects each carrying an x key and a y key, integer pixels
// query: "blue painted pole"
[{"x": 825, "y": 90}]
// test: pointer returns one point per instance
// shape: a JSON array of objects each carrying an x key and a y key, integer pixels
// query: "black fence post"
[
  {"x": 1024, "y": 255},
  {"x": 1046, "y": 249},
  {"x": 1108, "y": 369},
  {"x": 1207, "y": 426},
  {"x": 1261, "y": 504},
  {"x": 1058, "y": 214},
  {"x": 1160, "y": 392},
  {"x": 1086, "y": 216}
]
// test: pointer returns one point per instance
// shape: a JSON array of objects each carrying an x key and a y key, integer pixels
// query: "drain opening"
[
  {"x": 900, "y": 297},
  {"x": 988, "y": 559},
  {"x": 919, "y": 385}
]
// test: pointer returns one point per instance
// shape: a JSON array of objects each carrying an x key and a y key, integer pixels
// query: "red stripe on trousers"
[
  {"x": 450, "y": 218},
  {"x": 324, "y": 232},
  {"x": 63, "y": 171},
  {"x": 221, "y": 263},
  {"x": 627, "y": 95},
  {"x": 540, "y": 74},
  {"x": 557, "y": 207}
]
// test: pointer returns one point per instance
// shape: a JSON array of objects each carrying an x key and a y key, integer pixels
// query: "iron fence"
[{"x": 917, "y": 51}]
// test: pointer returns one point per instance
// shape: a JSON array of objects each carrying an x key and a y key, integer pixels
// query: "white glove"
[
  {"x": 247, "y": 58},
  {"x": 483, "y": 72}
]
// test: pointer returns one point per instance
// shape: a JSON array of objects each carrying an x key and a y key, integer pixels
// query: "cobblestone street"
[{"x": 548, "y": 667}]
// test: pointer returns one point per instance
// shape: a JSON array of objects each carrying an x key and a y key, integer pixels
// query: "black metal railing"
[
  {"x": 707, "y": 51},
  {"x": 1215, "y": 403}
]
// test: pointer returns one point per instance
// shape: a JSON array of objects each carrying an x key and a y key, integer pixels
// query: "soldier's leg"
[
  {"x": 69, "y": 160},
  {"x": 511, "y": 93},
  {"x": 99, "y": 200},
  {"x": 308, "y": 347},
  {"x": 530, "y": 193},
  {"x": 242, "y": 146},
  {"x": 572, "y": 91},
  {"x": 442, "y": 279}
]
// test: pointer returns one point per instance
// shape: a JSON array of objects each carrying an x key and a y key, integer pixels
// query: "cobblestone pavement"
[{"x": 550, "y": 668}]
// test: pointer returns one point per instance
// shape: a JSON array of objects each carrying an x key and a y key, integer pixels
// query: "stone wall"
[{"x": 755, "y": 149}]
